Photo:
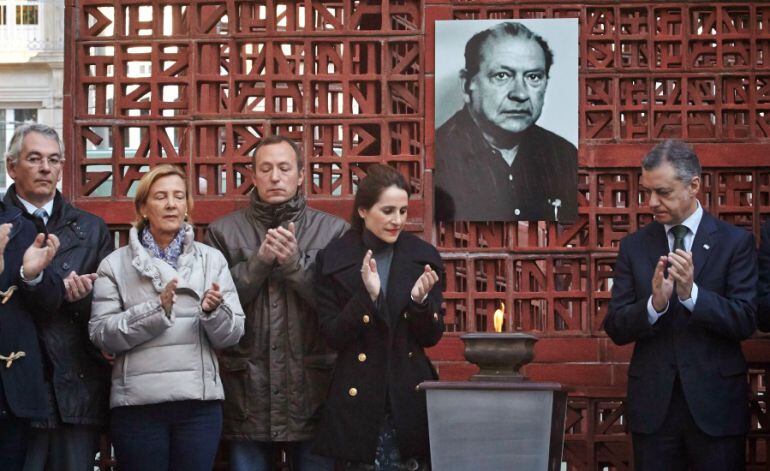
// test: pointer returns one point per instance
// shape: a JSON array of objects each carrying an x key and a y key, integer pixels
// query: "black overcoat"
[
  {"x": 381, "y": 351},
  {"x": 23, "y": 390}
]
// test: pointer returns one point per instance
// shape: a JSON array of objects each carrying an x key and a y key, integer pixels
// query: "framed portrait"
[{"x": 506, "y": 114}]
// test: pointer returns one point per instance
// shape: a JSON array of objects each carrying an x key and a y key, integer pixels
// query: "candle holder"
[{"x": 499, "y": 355}]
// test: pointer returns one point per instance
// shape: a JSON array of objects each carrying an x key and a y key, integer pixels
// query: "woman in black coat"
[{"x": 379, "y": 304}]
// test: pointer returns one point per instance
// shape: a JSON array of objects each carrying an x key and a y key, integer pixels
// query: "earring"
[{"x": 185, "y": 216}]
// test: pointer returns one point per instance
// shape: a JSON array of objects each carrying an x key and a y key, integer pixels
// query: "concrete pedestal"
[{"x": 496, "y": 426}]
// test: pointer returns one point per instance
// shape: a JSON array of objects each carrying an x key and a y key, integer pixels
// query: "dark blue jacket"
[
  {"x": 703, "y": 347},
  {"x": 77, "y": 373},
  {"x": 22, "y": 388},
  {"x": 763, "y": 287}
]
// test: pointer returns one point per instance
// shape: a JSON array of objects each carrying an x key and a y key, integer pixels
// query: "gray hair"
[
  {"x": 677, "y": 153},
  {"x": 14, "y": 148}
]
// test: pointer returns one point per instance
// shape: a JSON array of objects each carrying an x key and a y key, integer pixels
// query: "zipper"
[
  {"x": 203, "y": 366},
  {"x": 214, "y": 365}
]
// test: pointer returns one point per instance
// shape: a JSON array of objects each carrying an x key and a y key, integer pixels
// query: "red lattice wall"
[{"x": 199, "y": 82}]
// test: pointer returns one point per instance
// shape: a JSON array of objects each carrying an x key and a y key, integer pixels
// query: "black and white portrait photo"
[{"x": 506, "y": 119}]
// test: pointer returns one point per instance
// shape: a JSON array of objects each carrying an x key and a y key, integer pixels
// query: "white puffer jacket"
[{"x": 160, "y": 358}]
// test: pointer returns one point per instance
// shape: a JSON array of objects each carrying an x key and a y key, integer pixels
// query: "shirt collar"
[
  {"x": 692, "y": 222},
  {"x": 31, "y": 208}
]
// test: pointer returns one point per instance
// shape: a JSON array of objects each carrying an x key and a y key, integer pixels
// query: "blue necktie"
[{"x": 40, "y": 214}]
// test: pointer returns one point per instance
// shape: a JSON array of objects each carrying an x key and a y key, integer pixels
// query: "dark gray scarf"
[{"x": 272, "y": 215}]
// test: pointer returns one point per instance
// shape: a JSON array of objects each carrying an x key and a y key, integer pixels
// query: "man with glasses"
[
  {"x": 684, "y": 291},
  {"x": 77, "y": 375}
]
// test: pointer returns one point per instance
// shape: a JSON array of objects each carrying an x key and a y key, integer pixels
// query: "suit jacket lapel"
[
  {"x": 657, "y": 243},
  {"x": 705, "y": 237}
]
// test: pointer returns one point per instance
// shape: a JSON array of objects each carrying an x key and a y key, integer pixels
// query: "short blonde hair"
[{"x": 145, "y": 184}]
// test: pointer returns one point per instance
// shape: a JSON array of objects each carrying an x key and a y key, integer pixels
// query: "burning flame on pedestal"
[{"x": 499, "y": 317}]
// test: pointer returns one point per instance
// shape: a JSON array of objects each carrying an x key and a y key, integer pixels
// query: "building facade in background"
[{"x": 31, "y": 66}]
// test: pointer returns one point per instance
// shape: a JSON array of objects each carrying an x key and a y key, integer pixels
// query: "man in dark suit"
[
  {"x": 685, "y": 291},
  {"x": 493, "y": 163},
  {"x": 763, "y": 287}
]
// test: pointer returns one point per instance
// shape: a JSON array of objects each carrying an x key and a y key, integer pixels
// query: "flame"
[{"x": 499, "y": 317}]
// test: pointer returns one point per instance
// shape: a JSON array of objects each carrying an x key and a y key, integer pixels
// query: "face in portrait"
[
  {"x": 496, "y": 159},
  {"x": 506, "y": 95}
]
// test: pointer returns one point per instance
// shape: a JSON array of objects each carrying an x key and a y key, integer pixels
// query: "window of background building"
[
  {"x": 26, "y": 14},
  {"x": 9, "y": 119},
  {"x": 3, "y": 148}
]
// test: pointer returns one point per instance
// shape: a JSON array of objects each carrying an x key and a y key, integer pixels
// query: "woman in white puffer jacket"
[{"x": 161, "y": 305}]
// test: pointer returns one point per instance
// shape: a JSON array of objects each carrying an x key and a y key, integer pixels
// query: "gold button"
[
  {"x": 435, "y": 317},
  {"x": 411, "y": 354},
  {"x": 406, "y": 316},
  {"x": 417, "y": 388},
  {"x": 362, "y": 357},
  {"x": 353, "y": 392},
  {"x": 365, "y": 318}
]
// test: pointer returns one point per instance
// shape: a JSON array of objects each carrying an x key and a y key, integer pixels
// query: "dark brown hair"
[
  {"x": 378, "y": 179},
  {"x": 278, "y": 139}
]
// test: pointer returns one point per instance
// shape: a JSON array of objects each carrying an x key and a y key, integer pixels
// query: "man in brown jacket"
[{"x": 277, "y": 377}]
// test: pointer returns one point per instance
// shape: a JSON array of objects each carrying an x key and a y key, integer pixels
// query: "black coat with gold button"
[{"x": 380, "y": 351}]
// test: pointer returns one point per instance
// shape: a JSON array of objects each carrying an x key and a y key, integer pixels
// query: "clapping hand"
[
  {"x": 282, "y": 242},
  {"x": 168, "y": 296},
  {"x": 370, "y": 276},
  {"x": 662, "y": 286},
  {"x": 682, "y": 271},
  {"x": 5, "y": 231},
  {"x": 212, "y": 298},
  {"x": 77, "y": 287},
  {"x": 39, "y": 255},
  {"x": 265, "y": 253},
  {"x": 424, "y": 284}
]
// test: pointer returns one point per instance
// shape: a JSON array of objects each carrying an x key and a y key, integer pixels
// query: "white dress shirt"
[
  {"x": 692, "y": 223},
  {"x": 31, "y": 208}
]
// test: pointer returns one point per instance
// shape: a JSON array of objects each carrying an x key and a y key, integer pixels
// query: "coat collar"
[
  {"x": 705, "y": 242},
  {"x": 158, "y": 271},
  {"x": 62, "y": 213},
  {"x": 273, "y": 215},
  {"x": 11, "y": 214},
  {"x": 349, "y": 251},
  {"x": 344, "y": 257}
]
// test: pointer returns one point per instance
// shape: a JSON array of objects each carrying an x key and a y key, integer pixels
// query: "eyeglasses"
[{"x": 37, "y": 161}]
